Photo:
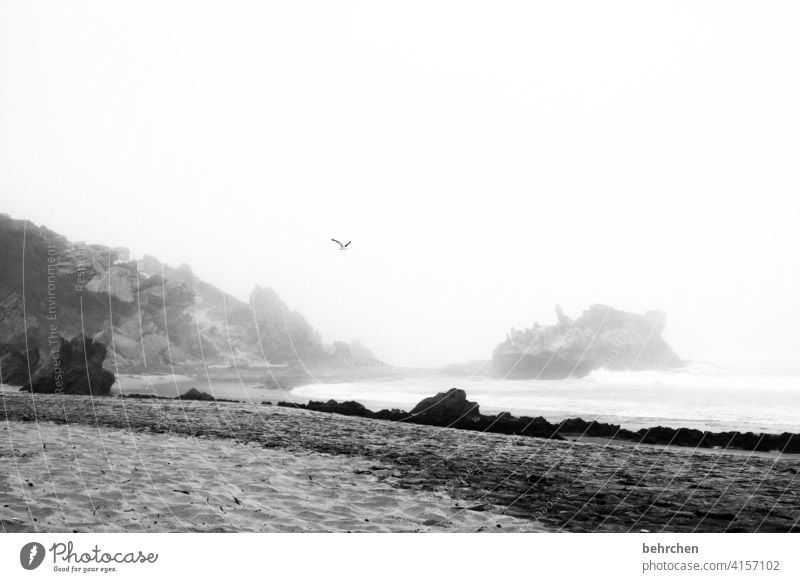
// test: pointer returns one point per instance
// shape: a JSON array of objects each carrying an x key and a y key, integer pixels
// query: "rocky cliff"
[
  {"x": 602, "y": 337},
  {"x": 151, "y": 317}
]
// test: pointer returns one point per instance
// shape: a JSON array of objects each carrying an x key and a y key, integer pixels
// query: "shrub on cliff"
[{"x": 78, "y": 369}]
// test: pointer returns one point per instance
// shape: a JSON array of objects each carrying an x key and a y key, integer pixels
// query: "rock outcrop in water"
[
  {"x": 76, "y": 367},
  {"x": 602, "y": 337}
]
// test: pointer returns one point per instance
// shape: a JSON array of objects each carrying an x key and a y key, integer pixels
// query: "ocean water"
[
  {"x": 702, "y": 397},
  {"x": 172, "y": 385}
]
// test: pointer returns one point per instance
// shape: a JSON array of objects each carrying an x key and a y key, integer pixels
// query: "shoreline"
[
  {"x": 780, "y": 440},
  {"x": 592, "y": 431},
  {"x": 609, "y": 434},
  {"x": 556, "y": 485}
]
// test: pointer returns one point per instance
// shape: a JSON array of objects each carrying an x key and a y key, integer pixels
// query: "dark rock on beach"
[
  {"x": 348, "y": 408},
  {"x": 748, "y": 441},
  {"x": 195, "y": 394},
  {"x": 77, "y": 369},
  {"x": 446, "y": 408}
]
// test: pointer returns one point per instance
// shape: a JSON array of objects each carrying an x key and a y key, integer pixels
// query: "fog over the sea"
[{"x": 488, "y": 159}]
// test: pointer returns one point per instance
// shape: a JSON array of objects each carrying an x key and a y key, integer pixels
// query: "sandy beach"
[
  {"x": 58, "y": 478},
  {"x": 114, "y": 464}
]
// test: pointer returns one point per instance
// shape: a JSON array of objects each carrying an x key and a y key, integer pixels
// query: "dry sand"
[{"x": 58, "y": 478}]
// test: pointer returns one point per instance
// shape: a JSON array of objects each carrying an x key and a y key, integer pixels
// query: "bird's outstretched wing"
[
  {"x": 336, "y": 241},
  {"x": 348, "y": 244}
]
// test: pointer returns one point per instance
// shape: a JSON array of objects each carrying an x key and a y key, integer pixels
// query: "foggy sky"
[{"x": 489, "y": 160}]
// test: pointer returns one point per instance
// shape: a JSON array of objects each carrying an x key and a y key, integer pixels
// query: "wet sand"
[{"x": 165, "y": 465}]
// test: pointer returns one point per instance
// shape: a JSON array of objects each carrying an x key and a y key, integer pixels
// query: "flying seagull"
[{"x": 341, "y": 246}]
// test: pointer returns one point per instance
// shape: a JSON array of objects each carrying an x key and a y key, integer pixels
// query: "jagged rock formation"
[
  {"x": 151, "y": 317},
  {"x": 75, "y": 368},
  {"x": 283, "y": 333},
  {"x": 353, "y": 355},
  {"x": 602, "y": 337}
]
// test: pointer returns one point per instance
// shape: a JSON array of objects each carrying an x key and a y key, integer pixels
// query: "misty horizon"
[{"x": 753, "y": 365}]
